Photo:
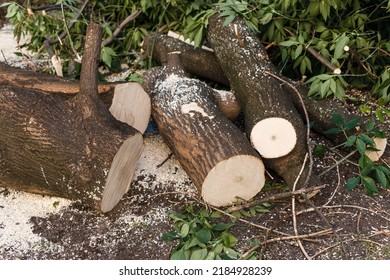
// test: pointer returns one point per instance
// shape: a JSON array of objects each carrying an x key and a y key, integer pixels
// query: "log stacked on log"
[
  {"x": 319, "y": 111},
  {"x": 67, "y": 145},
  {"x": 213, "y": 151}
]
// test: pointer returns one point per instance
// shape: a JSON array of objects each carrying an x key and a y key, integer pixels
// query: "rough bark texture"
[
  {"x": 56, "y": 144},
  {"x": 320, "y": 112},
  {"x": 245, "y": 62},
  {"x": 196, "y": 61},
  {"x": 195, "y": 130}
]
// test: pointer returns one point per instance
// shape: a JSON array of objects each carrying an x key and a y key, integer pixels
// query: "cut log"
[
  {"x": 196, "y": 61},
  {"x": 263, "y": 100},
  {"x": 22, "y": 78},
  {"x": 67, "y": 145},
  {"x": 131, "y": 105},
  {"x": 319, "y": 111},
  {"x": 213, "y": 151}
]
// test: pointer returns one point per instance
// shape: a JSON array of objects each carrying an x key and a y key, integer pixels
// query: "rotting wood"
[{"x": 213, "y": 151}]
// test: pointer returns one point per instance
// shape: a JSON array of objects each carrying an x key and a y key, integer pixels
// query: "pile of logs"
[{"x": 82, "y": 140}]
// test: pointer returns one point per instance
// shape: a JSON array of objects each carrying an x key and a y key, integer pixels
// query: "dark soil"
[{"x": 360, "y": 223}]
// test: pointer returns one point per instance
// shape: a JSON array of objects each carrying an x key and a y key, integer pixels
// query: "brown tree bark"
[
  {"x": 215, "y": 154},
  {"x": 67, "y": 145},
  {"x": 263, "y": 100},
  {"x": 319, "y": 111}
]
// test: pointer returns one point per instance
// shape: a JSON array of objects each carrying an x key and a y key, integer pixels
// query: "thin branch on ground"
[
  {"x": 338, "y": 162},
  {"x": 283, "y": 238},
  {"x": 294, "y": 217},
  {"x": 337, "y": 187},
  {"x": 274, "y": 197},
  {"x": 345, "y": 206}
]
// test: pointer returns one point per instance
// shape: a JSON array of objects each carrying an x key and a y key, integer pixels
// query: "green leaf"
[
  {"x": 266, "y": 18},
  {"x": 361, "y": 146},
  {"x": 230, "y": 253},
  {"x": 352, "y": 183},
  {"x": 351, "y": 124},
  {"x": 198, "y": 40},
  {"x": 370, "y": 125},
  {"x": 203, "y": 235},
  {"x": 365, "y": 109},
  {"x": 192, "y": 243},
  {"x": 337, "y": 119},
  {"x": 169, "y": 236},
  {"x": 181, "y": 255},
  {"x": 350, "y": 141},
  {"x": 381, "y": 177},
  {"x": 106, "y": 55},
  {"x": 298, "y": 51},
  {"x": 334, "y": 130},
  {"x": 210, "y": 256},
  {"x": 369, "y": 183},
  {"x": 341, "y": 43},
  {"x": 289, "y": 43},
  {"x": 222, "y": 226},
  {"x": 229, "y": 240},
  {"x": 199, "y": 254},
  {"x": 185, "y": 229}
]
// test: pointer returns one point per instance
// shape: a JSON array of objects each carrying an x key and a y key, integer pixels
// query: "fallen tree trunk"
[
  {"x": 319, "y": 111},
  {"x": 214, "y": 153},
  {"x": 67, "y": 145},
  {"x": 273, "y": 124}
]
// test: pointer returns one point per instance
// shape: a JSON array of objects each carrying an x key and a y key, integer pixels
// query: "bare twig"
[
  {"x": 274, "y": 197},
  {"x": 302, "y": 236},
  {"x": 323, "y": 60},
  {"x": 293, "y": 210},
  {"x": 48, "y": 43},
  {"x": 165, "y": 160},
  {"x": 131, "y": 17}
]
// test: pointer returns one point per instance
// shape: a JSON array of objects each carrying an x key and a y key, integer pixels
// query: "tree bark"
[
  {"x": 267, "y": 109},
  {"x": 215, "y": 154},
  {"x": 319, "y": 111},
  {"x": 67, "y": 145}
]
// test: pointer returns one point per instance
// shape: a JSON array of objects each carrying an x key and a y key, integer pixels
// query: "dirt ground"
[{"x": 360, "y": 224}]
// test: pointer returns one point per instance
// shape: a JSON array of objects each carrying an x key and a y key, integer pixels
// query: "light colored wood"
[
  {"x": 273, "y": 137},
  {"x": 121, "y": 172},
  {"x": 131, "y": 105},
  {"x": 233, "y": 179},
  {"x": 380, "y": 144}
]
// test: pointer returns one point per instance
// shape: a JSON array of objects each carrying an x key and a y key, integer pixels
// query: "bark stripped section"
[
  {"x": 215, "y": 154},
  {"x": 57, "y": 144},
  {"x": 245, "y": 63}
]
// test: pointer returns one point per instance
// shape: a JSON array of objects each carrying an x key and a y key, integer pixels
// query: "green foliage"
[
  {"x": 200, "y": 238},
  {"x": 370, "y": 174},
  {"x": 352, "y": 35}
]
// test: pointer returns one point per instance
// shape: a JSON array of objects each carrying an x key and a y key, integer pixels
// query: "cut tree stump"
[
  {"x": 214, "y": 153},
  {"x": 273, "y": 124},
  {"x": 67, "y": 145}
]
